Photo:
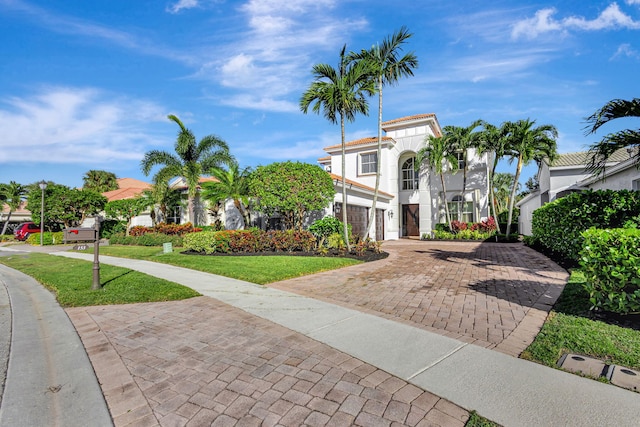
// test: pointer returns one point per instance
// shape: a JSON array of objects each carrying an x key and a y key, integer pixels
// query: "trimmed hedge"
[
  {"x": 610, "y": 260},
  {"x": 558, "y": 225},
  {"x": 164, "y": 228},
  {"x": 249, "y": 241},
  {"x": 48, "y": 238}
]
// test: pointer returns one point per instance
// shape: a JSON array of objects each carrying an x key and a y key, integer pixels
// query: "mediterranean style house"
[
  {"x": 410, "y": 200},
  {"x": 568, "y": 174}
]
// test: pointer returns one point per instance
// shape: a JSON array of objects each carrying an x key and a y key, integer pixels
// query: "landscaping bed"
[{"x": 368, "y": 256}]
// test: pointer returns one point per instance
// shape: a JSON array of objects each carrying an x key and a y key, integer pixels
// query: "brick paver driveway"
[
  {"x": 492, "y": 294},
  {"x": 200, "y": 362}
]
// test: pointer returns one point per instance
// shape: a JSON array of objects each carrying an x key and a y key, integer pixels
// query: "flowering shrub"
[
  {"x": 164, "y": 228},
  {"x": 249, "y": 241},
  {"x": 488, "y": 225}
]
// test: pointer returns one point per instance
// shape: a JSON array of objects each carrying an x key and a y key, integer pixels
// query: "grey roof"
[{"x": 582, "y": 158}]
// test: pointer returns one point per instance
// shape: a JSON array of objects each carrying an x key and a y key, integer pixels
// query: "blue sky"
[{"x": 88, "y": 84}]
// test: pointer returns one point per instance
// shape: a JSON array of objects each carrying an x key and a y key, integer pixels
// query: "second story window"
[
  {"x": 368, "y": 163},
  {"x": 460, "y": 156},
  {"x": 409, "y": 175}
]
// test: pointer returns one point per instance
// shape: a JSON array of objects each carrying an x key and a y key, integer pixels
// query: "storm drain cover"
[
  {"x": 624, "y": 377},
  {"x": 582, "y": 364}
]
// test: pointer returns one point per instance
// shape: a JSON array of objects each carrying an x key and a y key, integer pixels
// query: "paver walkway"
[
  {"x": 491, "y": 294},
  {"x": 200, "y": 362}
]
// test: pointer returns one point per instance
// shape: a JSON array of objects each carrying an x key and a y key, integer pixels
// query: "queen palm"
[
  {"x": 340, "y": 94},
  {"x": 527, "y": 143},
  {"x": 190, "y": 160},
  {"x": 387, "y": 69},
  {"x": 462, "y": 139},
  {"x": 232, "y": 183},
  {"x": 438, "y": 155},
  {"x": 628, "y": 138},
  {"x": 99, "y": 181},
  {"x": 12, "y": 193}
]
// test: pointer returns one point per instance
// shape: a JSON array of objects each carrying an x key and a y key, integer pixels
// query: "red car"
[{"x": 25, "y": 229}]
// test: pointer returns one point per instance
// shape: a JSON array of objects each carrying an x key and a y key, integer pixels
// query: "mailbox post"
[
  {"x": 96, "y": 262},
  {"x": 87, "y": 235}
]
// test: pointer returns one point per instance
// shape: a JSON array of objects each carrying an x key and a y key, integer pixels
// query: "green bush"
[
  {"x": 147, "y": 239},
  {"x": 111, "y": 226},
  {"x": 558, "y": 225},
  {"x": 249, "y": 241},
  {"x": 325, "y": 227},
  {"x": 48, "y": 238},
  {"x": 610, "y": 260}
]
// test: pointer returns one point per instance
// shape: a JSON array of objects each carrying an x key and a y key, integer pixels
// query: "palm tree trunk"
[
  {"x": 492, "y": 173},
  {"x": 512, "y": 199},
  {"x": 6, "y": 223},
  {"x": 192, "y": 210},
  {"x": 372, "y": 215},
  {"x": 446, "y": 205},
  {"x": 464, "y": 186},
  {"x": 345, "y": 229}
]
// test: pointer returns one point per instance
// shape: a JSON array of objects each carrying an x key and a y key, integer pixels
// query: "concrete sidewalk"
[
  {"x": 510, "y": 391},
  {"x": 49, "y": 378}
]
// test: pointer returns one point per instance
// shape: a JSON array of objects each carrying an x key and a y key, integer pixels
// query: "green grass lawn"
[
  {"x": 570, "y": 330},
  {"x": 254, "y": 269},
  {"x": 71, "y": 280}
]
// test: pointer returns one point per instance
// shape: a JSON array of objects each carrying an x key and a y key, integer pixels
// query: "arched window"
[{"x": 409, "y": 175}]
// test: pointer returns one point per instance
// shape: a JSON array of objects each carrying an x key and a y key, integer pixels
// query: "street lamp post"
[{"x": 43, "y": 186}]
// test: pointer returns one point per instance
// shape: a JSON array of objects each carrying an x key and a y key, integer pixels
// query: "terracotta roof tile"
[
  {"x": 408, "y": 118},
  {"x": 128, "y": 188}
]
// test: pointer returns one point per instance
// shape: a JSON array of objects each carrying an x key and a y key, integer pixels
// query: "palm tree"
[
  {"x": 502, "y": 185},
  {"x": 233, "y": 183},
  {"x": 12, "y": 193},
  {"x": 387, "y": 69},
  {"x": 340, "y": 94},
  {"x": 99, "y": 181},
  {"x": 189, "y": 161},
  {"x": 629, "y": 138},
  {"x": 438, "y": 155},
  {"x": 526, "y": 143},
  {"x": 492, "y": 142},
  {"x": 462, "y": 139},
  {"x": 163, "y": 197}
]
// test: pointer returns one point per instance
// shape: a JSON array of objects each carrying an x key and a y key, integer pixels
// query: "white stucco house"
[
  {"x": 410, "y": 201},
  {"x": 568, "y": 174}
]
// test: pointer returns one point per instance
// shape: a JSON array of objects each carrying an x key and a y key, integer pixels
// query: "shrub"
[
  {"x": 48, "y": 238},
  {"x": 164, "y": 228},
  {"x": 610, "y": 260},
  {"x": 111, "y": 226},
  {"x": 442, "y": 227},
  {"x": 457, "y": 226},
  {"x": 324, "y": 227},
  {"x": 336, "y": 241},
  {"x": 249, "y": 241},
  {"x": 558, "y": 225}
]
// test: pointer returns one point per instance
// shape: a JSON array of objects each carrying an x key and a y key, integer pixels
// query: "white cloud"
[
  {"x": 626, "y": 50},
  {"x": 543, "y": 22},
  {"x": 76, "y": 125},
  {"x": 633, "y": 2},
  {"x": 182, "y": 4}
]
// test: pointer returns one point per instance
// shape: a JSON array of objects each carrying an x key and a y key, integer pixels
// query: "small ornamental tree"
[
  {"x": 63, "y": 205},
  {"x": 126, "y": 209},
  {"x": 292, "y": 189}
]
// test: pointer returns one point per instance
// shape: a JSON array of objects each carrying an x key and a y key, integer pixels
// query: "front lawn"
[
  {"x": 254, "y": 269},
  {"x": 571, "y": 329},
  {"x": 71, "y": 281}
]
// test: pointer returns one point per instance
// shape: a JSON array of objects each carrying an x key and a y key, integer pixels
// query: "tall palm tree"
[
  {"x": 13, "y": 194},
  {"x": 629, "y": 138},
  {"x": 232, "y": 183},
  {"x": 525, "y": 143},
  {"x": 340, "y": 94},
  {"x": 99, "y": 181},
  {"x": 387, "y": 69},
  {"x": 462, "y": 139},
  {"x": 438, "y": 155},
  {"x": 190, "y": 161},
  {"x": 492, "y": 142}
]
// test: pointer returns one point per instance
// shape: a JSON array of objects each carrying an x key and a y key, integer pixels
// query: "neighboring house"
[
  {"x": 128, "y": 188},
  {"x": 17, "y": 216},
  {"x": 568, "y": 174},
  {"x": 410, "y": 201}
]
